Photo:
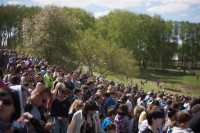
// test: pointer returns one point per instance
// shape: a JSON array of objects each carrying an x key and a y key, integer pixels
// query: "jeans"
[{"x": 59, "y": 127}]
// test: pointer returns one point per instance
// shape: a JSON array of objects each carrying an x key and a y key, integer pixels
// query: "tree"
[{"x": 49, "y": 35}]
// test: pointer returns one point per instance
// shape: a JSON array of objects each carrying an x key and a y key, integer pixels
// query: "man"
[
  {"x": 48, "y": 79},
  {"x": 77, "y": 94},
  {"x": 74, "y": 80},
  {"x": 35, "y": 105},
  {"x": 110, "y": 100},
  {"x": 98, "y": 99},
  {"x": 68, "y": 82},
  {"x": 8, "y": 76}
]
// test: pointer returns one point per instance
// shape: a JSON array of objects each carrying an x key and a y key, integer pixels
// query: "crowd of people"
[{"x": 36, "y": 97}]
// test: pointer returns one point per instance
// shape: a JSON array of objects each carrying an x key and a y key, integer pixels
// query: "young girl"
[
  {"x": 121, "y": 119},
  {"x": 59, "y": 111}
]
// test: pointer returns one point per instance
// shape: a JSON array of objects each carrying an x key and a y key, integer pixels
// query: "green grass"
[{"x": 187, "y": 84}]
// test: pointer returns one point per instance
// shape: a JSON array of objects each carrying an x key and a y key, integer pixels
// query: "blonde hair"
[
  {"x": 138, "y": 110},
  {"x": 59, "y": 85},
  {"x": 74, "y": 106},
  {"x": 110, "y": 88}
]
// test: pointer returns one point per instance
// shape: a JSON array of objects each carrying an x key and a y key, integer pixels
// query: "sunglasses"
[
  {"x": 43, "y": 101},
  {"x": 6, "y": 102}
]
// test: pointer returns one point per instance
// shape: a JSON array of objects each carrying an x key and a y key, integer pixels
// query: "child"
[
  {"x": 121, "y": 119},
  {"x": 59, "y": 111},
  {"x": 111, "y": 128},
  {"x": 110, "y": 119}
]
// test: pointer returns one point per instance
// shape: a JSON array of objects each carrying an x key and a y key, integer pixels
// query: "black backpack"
[{"x": 135, "y": 125}]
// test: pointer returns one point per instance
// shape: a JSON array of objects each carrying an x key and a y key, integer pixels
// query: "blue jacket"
[
  {"x": 110, "y": 102},
  {"x": 105, "y": 123}
]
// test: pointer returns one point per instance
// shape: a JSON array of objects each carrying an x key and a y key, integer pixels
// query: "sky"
[{"x": 176, "y": 10}]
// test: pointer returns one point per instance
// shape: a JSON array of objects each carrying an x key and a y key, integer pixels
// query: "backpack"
[{"x": 135, "y": 125}]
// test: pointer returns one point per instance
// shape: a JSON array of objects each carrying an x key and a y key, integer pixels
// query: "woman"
[
  {"x": 181, "y": 123},
  {"x": 15, "y": 80},
  {"x": 84, "y": 121},
  {"x": 133, "y": 125},
  {"x": 168, "y": 125},
  {"x": 76, "y": 106},
  {"x": 155, "y": 118},
  {"x": 122, "y": 119},
  {"x": 10, "y": 110}
]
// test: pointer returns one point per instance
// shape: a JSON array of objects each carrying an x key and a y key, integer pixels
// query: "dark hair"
[
  {"x": 1, "y": 74},
  {"x": 124, "y": 98},
  {"x": 169, "y": 102},
  {"x": 143, "y": 96},
  {"x": 195, "y": 108},
  {"x": 90, "y": 83},
  {"x": 194, "y": 102},
  {"x": 89, "y": 105},
  {"x": 171, "y": 112},
  {"x": 97, "y": 96},
  {"x": 155, "y": 113},
  {"x": 106, "y": 94},
  {"x": 61, "y": 90},
  {"x": 111, "y": 112},
  {"x": 122, "y": 109},
  {"x": 15, "y": 80},
  {"x": 76, "y": 90},
  {"x": 85, "y": 87},
  {"x": 175, "y": 105},
  {"x": 15, "y": 98},
  {"x": 112, "y": 92},
  {"x": 111, "y": 126}
]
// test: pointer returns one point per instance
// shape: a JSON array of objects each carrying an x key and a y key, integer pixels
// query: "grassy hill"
[{"x": 177, "y": 81}]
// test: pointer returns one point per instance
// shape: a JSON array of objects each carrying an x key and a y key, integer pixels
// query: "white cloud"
[
  {"x": 15, "y": 3},
  {"x": 99, "y": 14},
  {"x": 120, "y": 4},
  {"x": 162, "y": 6},
  {"x": 173, "y": 6},
  {"x": 198, "y": 17},
  {"x": 184, "y": 15},
  {"x": 147, "y": 4}
]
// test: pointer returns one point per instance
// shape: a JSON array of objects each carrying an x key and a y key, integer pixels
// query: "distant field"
[{"x": 179, "y": 82}]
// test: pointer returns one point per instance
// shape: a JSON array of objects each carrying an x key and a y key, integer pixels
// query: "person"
[
  {"x": 181, "y": 123},
  {"x": 77, "y": 95},
  {"x": 110, "y": 119},
  {"x": 111, "y": 128},
  {"x": 10, "y": 110},
  {"x": 1, "y": 79},
  {"x": 121, "y": 119},
  {"x": 59, "y": 111},
  {"x": 98, "y": 99},
  {"x": 168, "y": 124},
  {"x": 48, "y": 79},
  {"x": 134, "y": 122},
  {"x": 76, "y": 106},
  {"x": 110, "y": 101},
  {"x": 155, "y": 119},
  {"x": 8, "y": 76},
  {"x": 15, "y": 80},
  {"x": 83, "y": 120},
  {"x": 36, "y": 102}
]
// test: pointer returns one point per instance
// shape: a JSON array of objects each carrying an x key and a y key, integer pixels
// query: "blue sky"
[{"x": 179, "y": 10}]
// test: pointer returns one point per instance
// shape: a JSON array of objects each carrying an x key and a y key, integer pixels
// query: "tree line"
[{"x": 114, "y": 44}]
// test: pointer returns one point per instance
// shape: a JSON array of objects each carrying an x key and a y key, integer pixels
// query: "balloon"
[{"x": 27, "y": 63}]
